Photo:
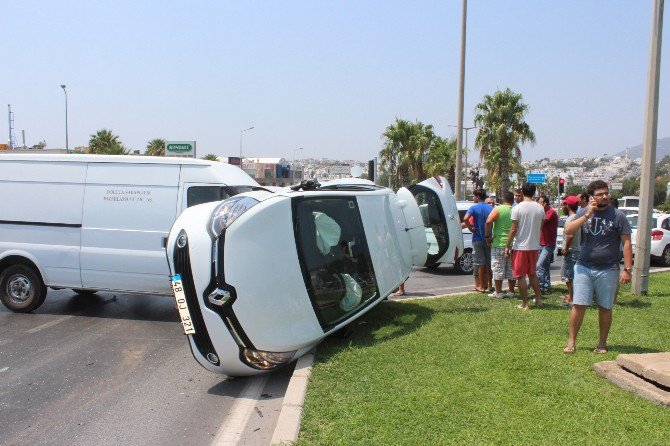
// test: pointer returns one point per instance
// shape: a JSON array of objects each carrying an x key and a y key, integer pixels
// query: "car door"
[{"x": 441, "y": 221}]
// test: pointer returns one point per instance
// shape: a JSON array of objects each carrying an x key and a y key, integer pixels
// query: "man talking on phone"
[{"x": 596, "y": 273}]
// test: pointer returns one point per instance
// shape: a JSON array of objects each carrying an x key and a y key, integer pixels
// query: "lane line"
[
  {"x": 49, "y": 324},
  {"x": 232, "y": 430}
]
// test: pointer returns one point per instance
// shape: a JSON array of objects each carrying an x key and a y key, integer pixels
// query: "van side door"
[{"x": 128, "y": 212}]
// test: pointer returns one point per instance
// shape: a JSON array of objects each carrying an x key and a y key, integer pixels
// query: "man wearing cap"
[{"x": 570, "y": 247}]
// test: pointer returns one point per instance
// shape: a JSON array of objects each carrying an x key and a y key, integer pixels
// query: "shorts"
[
  {"x": 501, "y": 266},
  {"x": 482, "y": 253},
  {"x": 568, "y": 269},
  {"x": 523, "y": 262},
  {"x": 599, "y": 282}
]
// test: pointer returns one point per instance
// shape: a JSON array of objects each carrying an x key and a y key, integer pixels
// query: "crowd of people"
[{"x": 515, "y": 242}]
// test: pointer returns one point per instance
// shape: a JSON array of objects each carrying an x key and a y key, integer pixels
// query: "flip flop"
[
  {"x": 569, "y": 349},
  {"x": 523, "y": 307},
  {"x": 601, "y": 349},
  {"x": 399, "y": 293}
]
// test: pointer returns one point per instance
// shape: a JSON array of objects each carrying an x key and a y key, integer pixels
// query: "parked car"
[
  {"x": 465, "y": 264},
  {"x": 636, "y": 210},
  {"x": 261, "y": 278},
  {"x": 660, "y": 236}
]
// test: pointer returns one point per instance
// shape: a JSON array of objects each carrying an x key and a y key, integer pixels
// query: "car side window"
[
  {"x": 204, "y": 194},
  {"x": 666, "y": 224}
]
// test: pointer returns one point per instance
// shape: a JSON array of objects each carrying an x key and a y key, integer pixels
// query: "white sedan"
[
  {"x": 660, "y": 236},
  {"x": 261, "y": 278}
]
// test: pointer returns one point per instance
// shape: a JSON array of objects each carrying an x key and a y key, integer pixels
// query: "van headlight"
[
  {"x": 266, "y": 360},
  {"x": 228, "y": 211}
]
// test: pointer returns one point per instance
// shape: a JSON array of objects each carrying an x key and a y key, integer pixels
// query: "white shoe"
[
  {"x": 497, "y": 295},
  {"x": 510, "y": 294}
]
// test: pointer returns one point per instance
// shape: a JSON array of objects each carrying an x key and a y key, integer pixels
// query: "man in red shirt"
[{"x": 547, "y": 244}]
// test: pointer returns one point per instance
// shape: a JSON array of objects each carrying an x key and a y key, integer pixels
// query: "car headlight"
[
  {"x": 228, "y": 211},
  {"x": 266, "y": 360}
]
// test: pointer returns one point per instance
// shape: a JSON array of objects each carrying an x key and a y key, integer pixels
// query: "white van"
[{"x": 97, "y": 222}]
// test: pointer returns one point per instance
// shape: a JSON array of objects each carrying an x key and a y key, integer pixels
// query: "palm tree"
[
  {"x": 442, "y": 158},
  {"x": 210, "y": 157},
  {"x": 104, "y": 142},
  {"x": 502, "y": 130},
  {"x": 155, "y": 147},
  {"x": 406, "y": 148}
]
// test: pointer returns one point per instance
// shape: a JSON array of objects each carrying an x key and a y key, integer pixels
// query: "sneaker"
[
  {"x": 510, "y": 294},
  {"x": 497, "y": 295}
]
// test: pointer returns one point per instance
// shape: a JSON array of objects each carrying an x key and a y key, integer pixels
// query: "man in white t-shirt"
[{"x": 523, "y": 244}]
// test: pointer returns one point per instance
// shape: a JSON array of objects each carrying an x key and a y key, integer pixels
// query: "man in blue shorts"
[
  {"x": 597, "y": 270},
  {"x": 481, "y": 250}
]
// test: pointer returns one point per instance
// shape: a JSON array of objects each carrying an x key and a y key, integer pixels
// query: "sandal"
[
  {"x": 523, "y": 307},
  {"x": 569, "y": 349},
  {"x": 601, "y": 349}
]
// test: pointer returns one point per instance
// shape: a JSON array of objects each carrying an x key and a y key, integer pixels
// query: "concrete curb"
[{"x": 288, "y": 424}]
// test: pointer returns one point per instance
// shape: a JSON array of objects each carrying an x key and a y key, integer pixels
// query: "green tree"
[
  {"x": 442, "y": 158},
  {"x": 210, "y": 157},
  {"x": 575, "y": 189},
  {"x": 502, "y": 130},
  {"x": 155, "y": 147},
  {"x": 104, "y": 142}
]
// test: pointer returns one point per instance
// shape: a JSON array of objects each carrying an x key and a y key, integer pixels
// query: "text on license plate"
[{"x": 180, "y": 297}]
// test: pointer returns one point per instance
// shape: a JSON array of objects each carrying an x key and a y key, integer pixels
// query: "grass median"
[{"x": 476, "y": 370}]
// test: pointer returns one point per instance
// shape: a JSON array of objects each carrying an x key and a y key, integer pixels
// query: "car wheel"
[
  {"x": 84, "y": 292},
  {"x": 665, "y": 257},
  {"x": 433, "y": 266},
  {"x": 465, "y": 264},
  {"x": 21, "y": 289}
]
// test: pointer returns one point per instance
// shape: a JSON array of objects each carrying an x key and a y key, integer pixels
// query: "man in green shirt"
[{"x": 498, "y": 224}]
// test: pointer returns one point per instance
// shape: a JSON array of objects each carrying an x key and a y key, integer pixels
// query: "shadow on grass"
[
  {"x": 635, "y": 303},
  {"x": 388, "y": 320},
  {"x": 622, "y": 349}
]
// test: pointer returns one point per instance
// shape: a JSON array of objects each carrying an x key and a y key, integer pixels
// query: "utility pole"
[
  {"x": 640, "y": 284},
  {"x": 461, "y": 89}
]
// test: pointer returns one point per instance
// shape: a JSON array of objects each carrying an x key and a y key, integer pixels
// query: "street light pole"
[
  {"x": 461, "y": 89},
  {"x": 67, "y": 142},
  {"x": 293, "y": 165},
  {"x": 465, "y": 177},
  {"x": 241, "y": 132}
]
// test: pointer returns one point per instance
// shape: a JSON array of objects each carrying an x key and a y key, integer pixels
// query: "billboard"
[
  {"x": 340, "y": 170},
  {"x": 185, "y": 149}
]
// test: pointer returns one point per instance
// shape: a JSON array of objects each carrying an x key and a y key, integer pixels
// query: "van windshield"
[{"x": 206, "y": 194}]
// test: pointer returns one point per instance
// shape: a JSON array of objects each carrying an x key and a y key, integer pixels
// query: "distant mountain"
[{"x": 662, "y": 149}]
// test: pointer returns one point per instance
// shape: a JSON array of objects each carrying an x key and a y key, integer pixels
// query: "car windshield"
[
  {"x": 632, "y": 220},
  {"x": 334, "y": 257}
]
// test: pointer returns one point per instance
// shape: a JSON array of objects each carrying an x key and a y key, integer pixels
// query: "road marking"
[
  {"x": 231, "y": 431},
  {"x": 49, "y": 324},
  {"x": 4, "y": 369},
  {"x": 5, "y": 341}
]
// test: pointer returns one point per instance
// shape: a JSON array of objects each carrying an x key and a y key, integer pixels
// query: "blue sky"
[{"x": 326, "y": 76}]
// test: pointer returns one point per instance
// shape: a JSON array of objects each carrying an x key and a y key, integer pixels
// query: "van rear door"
[
  {"x": 128, "y": 212},
  {"x": 440, "y": 217}
]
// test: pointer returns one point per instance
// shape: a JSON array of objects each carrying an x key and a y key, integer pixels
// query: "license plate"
[{"x": 180, "y": 297}]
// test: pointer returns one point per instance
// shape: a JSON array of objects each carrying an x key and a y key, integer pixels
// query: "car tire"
[
  {"x": 22, "y": 289},
  {"x": 465, "y": 264},
  {"x": 84, "y": 292},
  {"x": 665, "y": 257}
]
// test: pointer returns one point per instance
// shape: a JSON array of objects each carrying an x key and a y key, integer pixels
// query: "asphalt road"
[{"x": 115, "y": 369}]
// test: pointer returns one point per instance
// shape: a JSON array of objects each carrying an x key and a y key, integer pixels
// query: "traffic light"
[
  {"x": 561, "y": 185},
  {"x": 371, "y": 170}
]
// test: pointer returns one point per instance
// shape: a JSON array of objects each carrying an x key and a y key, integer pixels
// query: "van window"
[
  {"x": 334, "y": 257},
  {"x": 434, "y": 221},
  {"x": 205, "y": 194}
]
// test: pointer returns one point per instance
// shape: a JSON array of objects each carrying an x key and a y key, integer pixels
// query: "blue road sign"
[{"x": 537, "y": 178}]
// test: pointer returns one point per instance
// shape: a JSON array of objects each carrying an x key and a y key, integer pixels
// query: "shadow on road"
[{"x": 109, "y": 305}]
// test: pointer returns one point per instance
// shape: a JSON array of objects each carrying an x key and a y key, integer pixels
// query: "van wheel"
[
  {"x": 465, "y": 264},
  {"x": 21, "y": 289},
  {"x": 84, "y": 292}
]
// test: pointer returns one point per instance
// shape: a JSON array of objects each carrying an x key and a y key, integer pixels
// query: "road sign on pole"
[{"x": 536, "y": 178}]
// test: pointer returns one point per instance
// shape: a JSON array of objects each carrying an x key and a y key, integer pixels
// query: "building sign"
[
  {"x": 180, "y": 148},
  {"x": 616, "y": 186},
  {"x": 234, "y": 160},
  {"x": 537, "y": 178},
  {"x": 4, "y": 146}
]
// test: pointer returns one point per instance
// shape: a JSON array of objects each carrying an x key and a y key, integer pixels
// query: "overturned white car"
[{"x": 260, "y": 278}]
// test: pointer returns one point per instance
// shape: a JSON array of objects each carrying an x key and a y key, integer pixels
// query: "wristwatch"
[{"x": 628, "y": 270}]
